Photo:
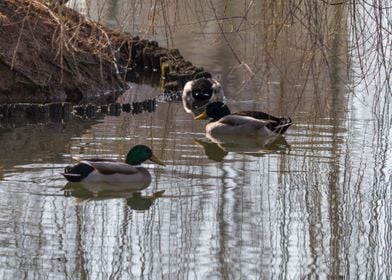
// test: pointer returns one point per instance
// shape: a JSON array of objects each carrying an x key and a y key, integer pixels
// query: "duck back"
[{"x": 278, "y": 125}]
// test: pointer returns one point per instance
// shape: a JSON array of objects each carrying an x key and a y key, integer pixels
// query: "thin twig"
[{"x": 240, "y": 62}]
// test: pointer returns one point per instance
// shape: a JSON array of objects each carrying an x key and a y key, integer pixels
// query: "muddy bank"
[{"x": 49, "y": 53}]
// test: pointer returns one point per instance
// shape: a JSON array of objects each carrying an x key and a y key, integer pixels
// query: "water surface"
[{"x": 315, "y": 203}]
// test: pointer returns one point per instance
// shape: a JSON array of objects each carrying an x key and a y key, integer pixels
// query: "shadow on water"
[
  {"x": 24, "y": 142},
  {"x": 32, "y": 132}
]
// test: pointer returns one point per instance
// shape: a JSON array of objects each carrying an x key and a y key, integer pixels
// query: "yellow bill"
[
  {"x": 202, "y": 116},
  {"x": 157, "y": 160}
]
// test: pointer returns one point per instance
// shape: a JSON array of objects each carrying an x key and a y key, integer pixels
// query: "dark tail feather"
[
  {"x": 277, "y": 125},
  {"x": 281, "y": 126},
  {"x": 72, "y": 177},
  {"x": 78, "y": 172}
]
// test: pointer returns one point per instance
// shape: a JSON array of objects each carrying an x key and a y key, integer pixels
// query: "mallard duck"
[
  {"x": 109, "y": 171},
  {"x": 223, "y": 122},
  {"x": 200, "y": 91}
]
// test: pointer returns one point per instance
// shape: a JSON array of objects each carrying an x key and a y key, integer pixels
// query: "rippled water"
[{"x": 316, "y": 203}]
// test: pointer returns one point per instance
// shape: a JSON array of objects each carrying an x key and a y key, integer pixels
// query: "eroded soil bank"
[{"x": 49, "y": 53}]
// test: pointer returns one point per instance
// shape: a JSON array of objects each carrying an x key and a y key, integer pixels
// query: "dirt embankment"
[{"x": 49, "y": 53}]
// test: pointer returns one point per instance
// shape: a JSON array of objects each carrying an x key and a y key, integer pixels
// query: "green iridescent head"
[{"x": 139, "y": 154}]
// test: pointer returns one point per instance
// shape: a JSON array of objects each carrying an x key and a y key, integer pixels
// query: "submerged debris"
[{"x": 64, "y": 110}]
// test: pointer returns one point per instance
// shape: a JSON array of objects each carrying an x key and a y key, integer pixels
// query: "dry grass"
[{"x": 67, "y": 54}]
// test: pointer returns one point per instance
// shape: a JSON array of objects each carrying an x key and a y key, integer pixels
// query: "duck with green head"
[
  {"x": 109, "y": 171},
  {"x": 223, "y": 122}
]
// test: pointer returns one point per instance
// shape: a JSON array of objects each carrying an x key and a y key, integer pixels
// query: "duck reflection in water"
[
  {"x": 84, "y": 192},
  {"x": 199, "y": 92},
  {"x": 217, "y": 148}
]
